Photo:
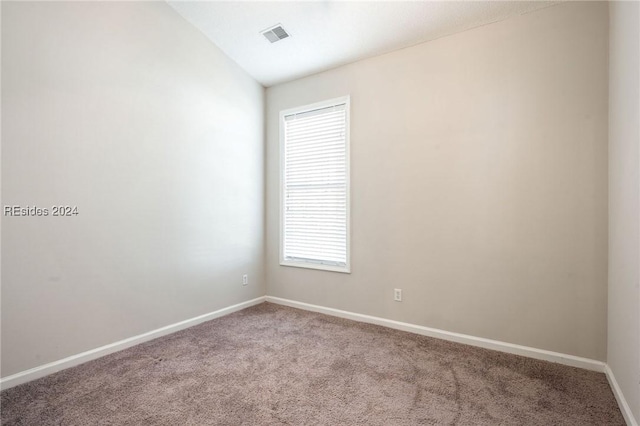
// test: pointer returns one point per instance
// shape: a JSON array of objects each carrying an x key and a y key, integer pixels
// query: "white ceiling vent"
[{"x": 276, "y": 33}]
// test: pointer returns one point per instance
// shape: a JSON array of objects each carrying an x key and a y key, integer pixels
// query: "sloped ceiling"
[{"x": 326, "y": 34}]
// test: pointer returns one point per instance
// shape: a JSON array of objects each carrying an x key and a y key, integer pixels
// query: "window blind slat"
[
  {"x": 320, "y": 126},
  {"x": 315, "y": 114},
  {"x": 318, "y": 180},
  {"x": 332, "y": 167},
  {"x": 317, "y": 153}
]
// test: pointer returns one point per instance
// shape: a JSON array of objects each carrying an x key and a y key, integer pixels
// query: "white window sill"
[{"x": 318, "y": 266}]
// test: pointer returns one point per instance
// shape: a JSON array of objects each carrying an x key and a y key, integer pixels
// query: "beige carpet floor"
[{"x": 275, "y": 365}]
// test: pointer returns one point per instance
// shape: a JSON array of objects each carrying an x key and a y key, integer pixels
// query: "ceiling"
[{"x": 325, "y": 34}]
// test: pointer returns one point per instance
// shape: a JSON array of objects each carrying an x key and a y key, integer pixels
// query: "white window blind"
[{"x": 315, "y": 187}]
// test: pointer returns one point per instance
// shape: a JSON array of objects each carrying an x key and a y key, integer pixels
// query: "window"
[{"x": 314, "y": 186}]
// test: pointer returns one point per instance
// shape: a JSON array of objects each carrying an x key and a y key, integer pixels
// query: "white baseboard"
[
  {"x": 560, "y": 358},
  {"x": 72, "y": 361},
  {"x": 622, "y": 401}
]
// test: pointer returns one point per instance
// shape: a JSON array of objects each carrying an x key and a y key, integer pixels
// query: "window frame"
[{"x": 307, "y": 264}]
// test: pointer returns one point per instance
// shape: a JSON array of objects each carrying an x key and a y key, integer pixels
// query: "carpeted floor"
[{"x": 275, "y": 365}]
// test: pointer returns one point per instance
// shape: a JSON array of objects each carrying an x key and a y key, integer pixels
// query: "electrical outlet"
[
  {"x": 245, "y": 279},
  {"x": 397, "y": 294}
]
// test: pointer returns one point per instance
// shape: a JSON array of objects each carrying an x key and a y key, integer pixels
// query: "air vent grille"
[{"x": 276, "y": 33}]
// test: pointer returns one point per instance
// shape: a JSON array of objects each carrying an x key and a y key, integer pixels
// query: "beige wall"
[
  {"x": 130, "y": 113},
  {"x": 479, "y": 182},
  {"x": 623, "y": 354}
]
